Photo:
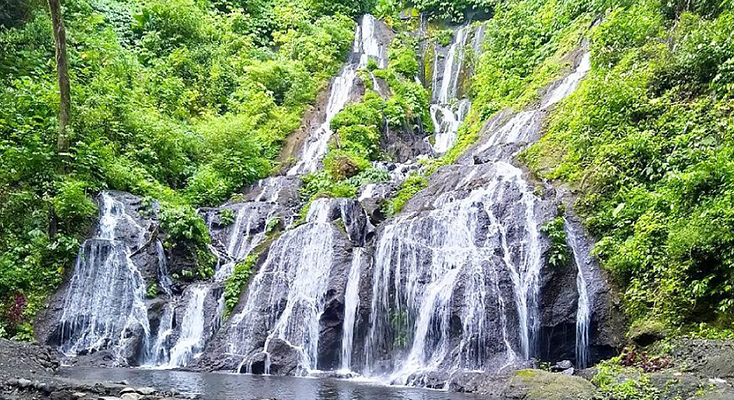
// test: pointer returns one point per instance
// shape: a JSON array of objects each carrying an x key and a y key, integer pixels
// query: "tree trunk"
[{"x": 62, "y": 142}]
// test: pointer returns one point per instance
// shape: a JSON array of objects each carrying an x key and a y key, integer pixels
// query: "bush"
[{"x": 647, "y": 140}]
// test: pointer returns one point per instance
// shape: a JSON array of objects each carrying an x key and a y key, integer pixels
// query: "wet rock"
[
  {"x": 562, "y": 366},
  {"x": 284, "y": 358},
  {"x": 136, "y": 234}
]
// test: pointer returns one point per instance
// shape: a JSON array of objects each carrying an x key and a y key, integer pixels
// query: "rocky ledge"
[{"x": 29, "y": 371}]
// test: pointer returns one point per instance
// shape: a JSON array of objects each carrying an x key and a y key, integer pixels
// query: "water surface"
[{"x": 222, "y": 386}]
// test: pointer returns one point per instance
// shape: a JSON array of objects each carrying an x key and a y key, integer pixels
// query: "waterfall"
[
  {"x": 456, "y": 281},
  {"x": 583, "y": 313},
  {"x": 297, "y": 272},
  {"x": 351, "y": 305},
  {"x": 104, "y": 307},
  {"x": 294, "y": 289},
  {"x": 159, "y": 353},
  {"x": 435, "y": 267},
  {"x": 191, "y": 338},
  {"x": 570, "y": 83},
  {"x": 447, "y": 109},
  {"x": 366, "y": 46}
]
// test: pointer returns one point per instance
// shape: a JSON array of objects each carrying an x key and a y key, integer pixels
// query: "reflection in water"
[{"x": 219, "y": 386}]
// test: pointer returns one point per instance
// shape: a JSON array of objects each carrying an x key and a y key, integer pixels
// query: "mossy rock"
[
  {"x": 647, "y": 332},
  {"x": 543, "y": 385}
]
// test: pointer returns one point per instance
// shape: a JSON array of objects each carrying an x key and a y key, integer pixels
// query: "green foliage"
[
  {"x": 624, "y": 383},
  {"x": 403, "y": 57},
  {"x": 152, "y": 291},
  {"x": 648, "y": 140},
  {"x": 444, "y": 37},
  {"x": 182, "y": 101},
  {"x": 411, "y": 186},
  {"x": 273, "y": 224},
  {"x": 226, "y": 216},
  {"x": 559, "y": 254},
  {"x": 453, "y": 10},
  {"x": 322, "y": 184},
  {"x": 238, "y": 282},
  {"x": 72, "y": 205},
  {"x": 183, "y": 224}
]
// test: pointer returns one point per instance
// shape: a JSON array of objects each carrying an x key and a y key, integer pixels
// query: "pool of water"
[{"x": 222, "y": 386}]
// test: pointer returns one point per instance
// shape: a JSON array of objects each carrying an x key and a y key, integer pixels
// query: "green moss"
[
  {"x": 409, "y": 188},
  {"x": 543, "y": 385},
  {"x": 622, "y": 383}
]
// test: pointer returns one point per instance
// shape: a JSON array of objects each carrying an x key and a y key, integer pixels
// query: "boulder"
[{"x": 541, "y": 385}]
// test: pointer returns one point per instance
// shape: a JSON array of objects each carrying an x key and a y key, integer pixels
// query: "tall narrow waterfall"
[
  {"x": 448, "y": 106},
  {"x": 351, "y": 306},
  {"x": 583, "y": 313},
  {"x": 366, "y": 47},
  {"x": 105, "y": 304}
]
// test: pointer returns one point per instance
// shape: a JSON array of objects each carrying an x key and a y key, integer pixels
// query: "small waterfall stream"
[
  {"x": 351, "y": 306},
  {"x": 191, "y": 339},
  {"x": 366, "y": 46},
  {"x": 448, "y": 107},
  {"x": 583, "y": 313}
]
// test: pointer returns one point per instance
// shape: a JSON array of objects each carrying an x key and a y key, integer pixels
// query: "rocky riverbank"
[
  {"x": 691, "y": 369},
  {"x": 29, "y": 371}
]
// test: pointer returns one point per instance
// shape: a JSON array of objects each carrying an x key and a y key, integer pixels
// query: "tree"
[{"x": 62, "y": 142}]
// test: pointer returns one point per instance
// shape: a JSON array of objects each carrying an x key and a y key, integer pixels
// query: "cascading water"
[
  {"x": 447, "y": 272},
  {"x": 191, "y": 339},
  {"x": 366, "y": 46},
  {"x": 583, "y": 313},
  {"x": 438, "y": 269},
  {"x": 351, "y": 306},
  {"x": 178, "y": 347},
  {"x": 287, "y": 298},
  {"x": 110, "y": 318},
  {"x": 448, "y": 108}
]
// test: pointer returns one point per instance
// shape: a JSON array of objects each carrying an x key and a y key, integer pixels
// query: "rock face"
[{"x": 714, "y": 358}]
